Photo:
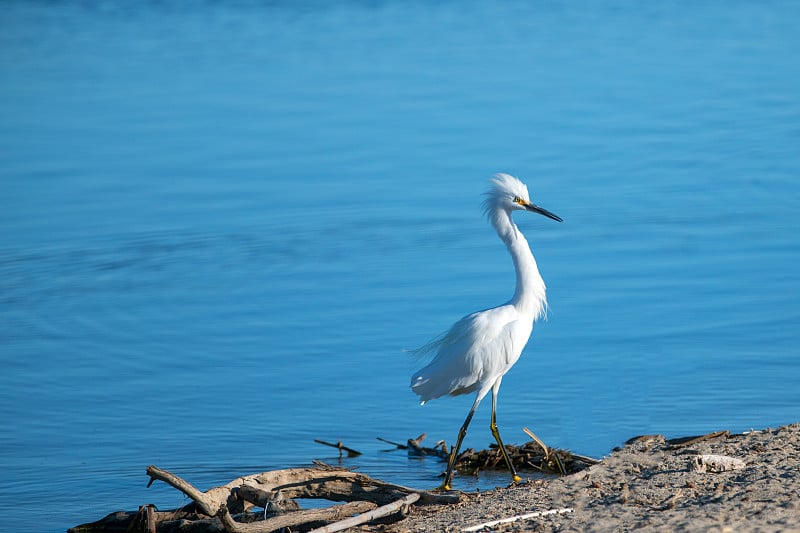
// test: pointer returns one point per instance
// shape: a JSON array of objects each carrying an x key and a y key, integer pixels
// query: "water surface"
[{"x": 223, "y": 224}]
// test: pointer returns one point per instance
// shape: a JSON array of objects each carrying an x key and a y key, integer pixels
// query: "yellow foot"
[
  {"x": 516, "y": 479},
  {"x": 444, "y": 487}
]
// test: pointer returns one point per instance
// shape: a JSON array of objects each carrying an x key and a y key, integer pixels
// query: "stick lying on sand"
[{"x": 536, "y": 514}]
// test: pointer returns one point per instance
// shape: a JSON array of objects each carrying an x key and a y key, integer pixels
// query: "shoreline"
[{"x": 646, "y": 485}]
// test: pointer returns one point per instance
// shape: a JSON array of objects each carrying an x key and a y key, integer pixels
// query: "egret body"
[{"x": 478, "y": 350}]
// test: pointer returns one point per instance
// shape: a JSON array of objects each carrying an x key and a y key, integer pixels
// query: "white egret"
[{"x": 475, "y": 354}]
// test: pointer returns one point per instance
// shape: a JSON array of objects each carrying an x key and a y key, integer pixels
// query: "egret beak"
[{"x": 542, "y": 211}]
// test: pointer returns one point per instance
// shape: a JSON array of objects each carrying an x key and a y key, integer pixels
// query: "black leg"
[{"x": 451, "y": 463}]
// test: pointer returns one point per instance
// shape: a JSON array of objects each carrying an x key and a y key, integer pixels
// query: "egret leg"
[
  {"x": 496, "y": 434},
  {"x": 451, "y": 463}
]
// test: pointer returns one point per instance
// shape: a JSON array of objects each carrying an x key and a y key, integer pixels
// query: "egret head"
[{"x": 507, "y": 193}]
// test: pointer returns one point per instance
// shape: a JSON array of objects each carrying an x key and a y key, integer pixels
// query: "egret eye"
[{"x": 517, "y": 200}]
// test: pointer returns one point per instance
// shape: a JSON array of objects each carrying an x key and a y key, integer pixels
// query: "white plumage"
[{"x": 478, "y": 350}]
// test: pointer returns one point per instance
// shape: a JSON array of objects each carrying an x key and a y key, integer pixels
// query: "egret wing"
[{"x": 472, "y": 354}]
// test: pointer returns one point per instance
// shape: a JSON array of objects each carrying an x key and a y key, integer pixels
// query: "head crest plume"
[{"x": 504, "y": 188}]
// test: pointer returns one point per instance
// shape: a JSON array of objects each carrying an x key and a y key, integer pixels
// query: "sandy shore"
[{"x": 648, "y": 485}]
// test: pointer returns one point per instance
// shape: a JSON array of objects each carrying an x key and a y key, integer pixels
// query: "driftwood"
[
  {"x": 527, "y": 516},
  {"x": 680, "y": 442},
  {"x": 337, "y": 512},
  {"x": 341, "y": 447},
  {"x": 385, "y": 510},
  {"x": 683, "y": 442},
  {"x": 414, "y": 447},
  {"x": 233, "y": 507},
  {"x": 228, "y": 507}
]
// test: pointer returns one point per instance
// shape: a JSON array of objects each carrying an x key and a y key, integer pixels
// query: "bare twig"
[
  {"x": 151, "y": 518},
  {"x": 350, "y": 451},
  {"x": 395, "y": 444},
  {"x": 536, "y": 514},
  {"x": 586, "y": 459},
  {"x": 380, "y": 512},
  {"x": 689, "y": 441},
  {"x": 547, "y": 456},
  {"x": 414, "y": 448},
  {"x": 538, "y": 441}
]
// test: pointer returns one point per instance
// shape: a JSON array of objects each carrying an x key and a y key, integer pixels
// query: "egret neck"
[{"x": 529, "y": 296}]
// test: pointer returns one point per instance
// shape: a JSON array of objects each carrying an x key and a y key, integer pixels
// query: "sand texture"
[{"x": 647, "y": 485}]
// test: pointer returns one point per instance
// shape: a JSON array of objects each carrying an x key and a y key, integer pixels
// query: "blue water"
[{"x": 221, "y": 225}]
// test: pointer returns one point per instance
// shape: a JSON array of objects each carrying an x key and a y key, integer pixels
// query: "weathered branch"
[
  {"x": 271, "y": 501},
  {"x": 338, "y": 485},
  {"x": 691, "y": 441},
  {"x": 380, "y": 512},
  {"x": 414, "y": 448},
  {"x": 208, "y": 502},
  {"x": 510, "y": 519},
  {"x": 341, "y": 447},
  {"x": 335, "y": 512}
]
